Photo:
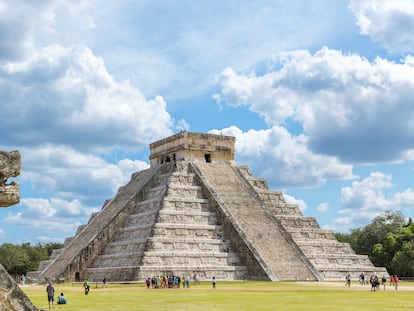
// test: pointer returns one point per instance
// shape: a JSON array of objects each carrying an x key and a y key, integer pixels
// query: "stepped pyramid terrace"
[{"x": 196, "y": 211}]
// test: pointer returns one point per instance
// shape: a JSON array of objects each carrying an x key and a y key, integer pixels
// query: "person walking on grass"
[
  {"x": 395, "y": 280},
  {"x": 50, "y": 294},
  {"x": 213, "y": 281}
]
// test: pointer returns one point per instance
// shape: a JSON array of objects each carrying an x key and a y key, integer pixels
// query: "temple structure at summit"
[{"x": 196, "y": 211}]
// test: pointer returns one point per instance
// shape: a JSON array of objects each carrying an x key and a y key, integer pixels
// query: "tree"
[
  {"x": 20, "y": 259},
  {"x": 388, "y": 241},
  {"x": 375, "y": 232}
]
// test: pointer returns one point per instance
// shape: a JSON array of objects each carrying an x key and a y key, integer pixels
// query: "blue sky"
[{"x": 319, "y": 95}]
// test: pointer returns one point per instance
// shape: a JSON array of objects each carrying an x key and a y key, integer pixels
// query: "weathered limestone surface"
[
  {"x": 10, "y": 164},
  {"x": 331, "y": 258},
  {"x": 12, "y": 297},
  {"x": 196, "y": 212}
]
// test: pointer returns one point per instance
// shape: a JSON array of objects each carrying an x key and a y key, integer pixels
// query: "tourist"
[
  {"x": 395, "y": 280},
  {"x": 50, "y": 294},
  {"x": 374, "y": 282},
  {"x": 213, "y": 281},
  {"x": 61, "y": 300},
  {"x": 383, "y": 281},
  {"x": 348, "y": 280},
  {"x": 362, "y": 278},
  {"x": 86, "y": 286}
]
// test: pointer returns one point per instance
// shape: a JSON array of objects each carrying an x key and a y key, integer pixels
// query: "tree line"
[
  {"x": 388, "y": 241},
  {"x": 20, "y": 259}
]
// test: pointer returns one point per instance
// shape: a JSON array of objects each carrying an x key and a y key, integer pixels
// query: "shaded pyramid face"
[{"x": 194, "y": 211}]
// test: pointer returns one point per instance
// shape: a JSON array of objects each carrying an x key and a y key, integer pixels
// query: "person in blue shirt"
[{"x": 61, "y": 300}]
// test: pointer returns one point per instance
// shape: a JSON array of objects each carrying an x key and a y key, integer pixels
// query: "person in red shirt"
[{"x": 395, "y": 280}]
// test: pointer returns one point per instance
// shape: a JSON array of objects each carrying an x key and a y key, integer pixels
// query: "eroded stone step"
[
  {"x": 134, "y": 232},
  {"x": 117, "y": 260},
  {"x": 310, "y": 233},
  {"x": 181, "y": 177},
  {"x": 183, "y": 204},
  {"x": 191, "y": 216},
  {"x": 127, "y": 246},
  {"x": 144, "y": 218},
  {"x": 186, "y": 191},
  {"x": 189, "y": 230},
  {"x": 149, "y": 205},
  {"x": 185, "y": 243},
  {"x": 321, "y": 249},
  {"x": 289, "y": 221}
]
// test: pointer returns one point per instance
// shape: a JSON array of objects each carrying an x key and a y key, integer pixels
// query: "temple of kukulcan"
[{"x": 196, "y": 211}]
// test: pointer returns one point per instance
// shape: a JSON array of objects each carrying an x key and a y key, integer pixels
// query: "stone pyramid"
[{"x": 195, "y": 211}]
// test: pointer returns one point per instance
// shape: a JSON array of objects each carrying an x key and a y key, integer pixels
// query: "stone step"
[
  {"x": 148, "y": 205},
  {"x": 185, "y": 243},
  {"x": 285, "y": 209},
  {"x": 187, "y": 230},
  {"x": 141, "y": 219},
  {"x": 289, "y": 221},
  {"x": 335, "y": 260},
  {"x": 174, "y": 216},
  {"x": 126, "y": 246},
  {"x": 133, "y": 232},
  {"x": 182, "y": 177},
  {"x": 117, "y": 260},
  {"x": 43, "y": 264},
  {"x": 191, "y": 258},
  {"x": 324, "y": 248},
  {"x": 185, "y": 191},
  {"x": 183, "y": 204},
  {"x": 113, "y": 274},
  {"x": 300, "y": 234},
  {"x": 55, "y": 253},
  {"x": 155, "y": 192}
]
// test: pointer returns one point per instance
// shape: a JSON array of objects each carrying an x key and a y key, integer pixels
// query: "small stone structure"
[
  {"x": 12, "y": 297},
  {"x": 195, "y": 211}
]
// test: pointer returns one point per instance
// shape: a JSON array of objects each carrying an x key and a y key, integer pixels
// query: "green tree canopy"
[{"x": 388, "y": 241}]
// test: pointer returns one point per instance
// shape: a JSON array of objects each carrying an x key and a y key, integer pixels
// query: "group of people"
[
  {"x": 173, "y": 281},
  {"x": 51, "y": 296},
  {"x": 375, "y": 281},
  {"x": 170, "y": 281}
]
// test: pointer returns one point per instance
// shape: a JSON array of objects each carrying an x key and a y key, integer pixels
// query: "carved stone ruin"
[
  {"x": 12, "y": 298},
  {"x": 9, "y": 167},
  {"x": 195, "y": 211}
]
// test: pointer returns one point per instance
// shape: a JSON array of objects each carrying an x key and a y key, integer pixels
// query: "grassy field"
[{"x": 301, "y": 296}]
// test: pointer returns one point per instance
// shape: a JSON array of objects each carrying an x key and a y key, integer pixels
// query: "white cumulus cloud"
[
  {"x": 283, "y": 159},
  {"x": 347, "y": 106},
  {"x": 368, "y": 198},
  {"x": 390, "y": 23}
]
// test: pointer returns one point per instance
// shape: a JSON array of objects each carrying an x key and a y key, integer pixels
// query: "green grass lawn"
[{"x": 229, "y": 296}]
